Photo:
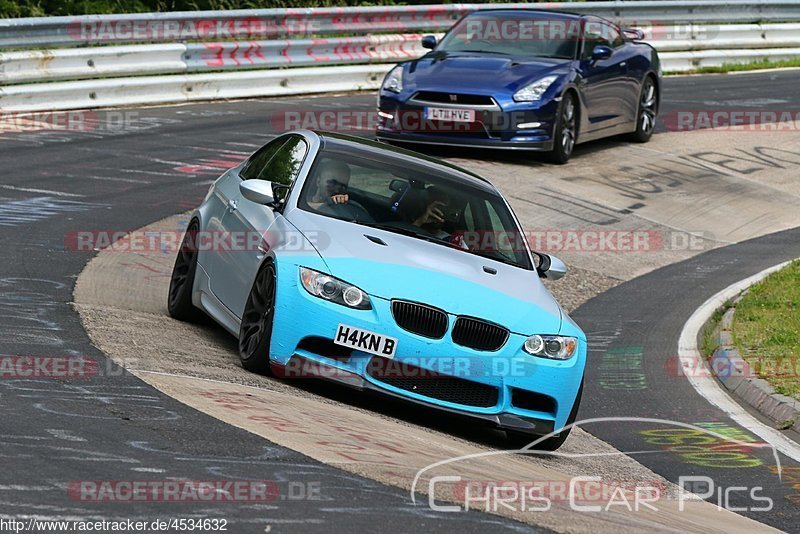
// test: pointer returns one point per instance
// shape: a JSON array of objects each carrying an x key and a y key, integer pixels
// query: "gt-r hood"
[
  {"x": 413, "y": 269},
  {"x": 477, "y": 73}
]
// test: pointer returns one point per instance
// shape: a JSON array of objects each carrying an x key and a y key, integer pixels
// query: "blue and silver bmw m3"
[
  {"x": 386, "y": 270},
  {"x": 524, "y": 79}
]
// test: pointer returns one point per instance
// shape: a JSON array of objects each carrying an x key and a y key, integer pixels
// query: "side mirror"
[
  {"x": 429, "y": 41},
  {"x": 550, "y": 267},
  {"x": 634, "y": 34},
  {"x": 258, "y": 191},
  {"x": 601, "y": 52}
]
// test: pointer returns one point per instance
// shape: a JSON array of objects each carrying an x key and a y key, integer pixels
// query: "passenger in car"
[{"x": 436, "y": 213}]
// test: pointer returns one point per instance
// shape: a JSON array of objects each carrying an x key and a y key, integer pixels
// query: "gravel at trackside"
[{"x": 578, "y": 286}]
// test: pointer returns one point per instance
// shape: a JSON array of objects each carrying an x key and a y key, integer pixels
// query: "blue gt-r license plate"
[
  {"x": 366, "y": 341},
  {"x": 450, "y": 114}
]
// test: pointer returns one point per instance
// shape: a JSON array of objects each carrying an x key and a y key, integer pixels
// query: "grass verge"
[
  {"x": 741, "y": 67},
  {"x": 766, "y": 329}
]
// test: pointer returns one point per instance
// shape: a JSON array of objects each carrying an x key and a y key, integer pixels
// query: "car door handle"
[
  {"x": 232, "y": 205},
  {"x": 623, "y": 64}
]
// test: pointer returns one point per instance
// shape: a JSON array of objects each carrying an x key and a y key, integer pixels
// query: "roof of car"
[{"x": 340, "y": 139}]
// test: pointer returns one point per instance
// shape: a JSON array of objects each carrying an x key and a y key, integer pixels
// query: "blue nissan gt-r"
[
  {"x": 335, "y": 256},
  {"x": 524, "y": 79}
]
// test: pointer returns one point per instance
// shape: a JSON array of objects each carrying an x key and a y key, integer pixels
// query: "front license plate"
[
  {"x": 450, "y": 114},
  {"x": 366, "y": 341}
]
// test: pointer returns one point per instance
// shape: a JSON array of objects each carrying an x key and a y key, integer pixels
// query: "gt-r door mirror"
[
  {"x": 634, "y": 34},
  {"x": 601, "y": 52},
  {"x": 550, "y": 267},
  {"x": 258, "y": 191},
  {"x": 429, "y": 41}
]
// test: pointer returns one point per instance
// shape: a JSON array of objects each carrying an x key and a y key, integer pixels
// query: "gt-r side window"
[
  {"x": 613, "y": 35},
  {"x": 596, "y": 33}
]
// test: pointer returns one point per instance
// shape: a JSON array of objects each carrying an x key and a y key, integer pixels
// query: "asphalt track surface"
[
  {"x": 115, "y": 427},
  {"x": 643, "y": 319}
]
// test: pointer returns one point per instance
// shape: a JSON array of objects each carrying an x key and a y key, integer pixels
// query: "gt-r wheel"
[
  {"x": 566, "y": 130},
  {"x": 521, "y": 439},
  {"x": 255, "y": 332},
  {"x": 179, "y": 298},
  {"x": 648, "y": 109}
]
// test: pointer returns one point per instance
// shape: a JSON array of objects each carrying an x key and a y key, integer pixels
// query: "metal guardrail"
[
  {"x": 302, "y": 52},
  {"x": 145, "y": 90},
  {"x": 688, "y": 34},
  {"x": 258, "y": 24},
  {"x": 108, "y": 61},
  {"x": 674, "y": 45}
]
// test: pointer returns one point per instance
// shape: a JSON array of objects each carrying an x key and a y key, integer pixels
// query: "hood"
[
  {"x": 477, "y": 73},
  {"x": 393, "y": 266}
]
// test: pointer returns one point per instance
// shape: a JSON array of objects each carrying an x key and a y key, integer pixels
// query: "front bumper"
[
  {"x": 315, "y": 369},
  {"x": 304, "y": 327},
  {"x": 402, "y": 119}
]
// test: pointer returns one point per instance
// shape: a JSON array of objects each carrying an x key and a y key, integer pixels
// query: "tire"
[
  {"x": 181, "y": 283},
  {"x": 521, "y": 439},
  {"x": 646, "y": 115},
  {"x": 565, "y": 132},
  {"x": 255, "y": 332}
]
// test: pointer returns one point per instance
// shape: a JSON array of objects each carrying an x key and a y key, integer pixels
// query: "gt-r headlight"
[
  {"x": 394, "y": 80},
  {"x": 553, "y": 347},
  {"x": 534, "y": 91},
  {"x": 329, "y": 288}
]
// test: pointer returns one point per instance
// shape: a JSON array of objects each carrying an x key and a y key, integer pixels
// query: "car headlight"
[
  {"x": 394, "y": 80},
  {"x": 329, "y": 288},
  {"x": 534, "y": 91},
  {"x": 553, "y": 347}
]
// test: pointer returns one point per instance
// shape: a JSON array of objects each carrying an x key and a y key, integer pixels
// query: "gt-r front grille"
[
  {"x": 435, "y": 97},
  {"x": 420, "y": 319},
  {"x": 431, "y": 384},
  {"x": 478, "y": 334}
]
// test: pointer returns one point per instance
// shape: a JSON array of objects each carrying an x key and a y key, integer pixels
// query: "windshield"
[
  {"x": 413, "y": 200},
  {"x": 514, "y": 35}
]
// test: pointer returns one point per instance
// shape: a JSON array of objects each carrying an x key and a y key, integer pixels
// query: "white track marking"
[
  {"x": 41, "y": 191},
  {"x": 63, "y": 434},
  {"x": 710, "y": 389}
]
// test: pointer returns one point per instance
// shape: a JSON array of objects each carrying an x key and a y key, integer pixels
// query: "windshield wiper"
[
  {"x": 401, "y": 230},
  {"x": 492, "y": 255},
  {"x": 496, "y": 256},
  {"x": 479, "y": 52}
]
